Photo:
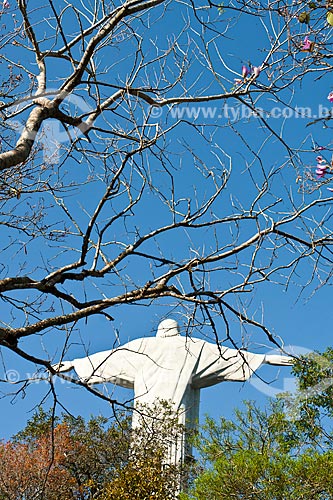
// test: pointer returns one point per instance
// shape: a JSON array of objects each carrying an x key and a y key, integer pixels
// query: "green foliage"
[
  {"x": 143, "y": 477},
  {"x": 312, "y": 406},
  {"x": 100, "y": 449},
  {"x": 39, "y": 424},
  {"x": 266, "y": 476},
  {"x": 273, "y": 454}
]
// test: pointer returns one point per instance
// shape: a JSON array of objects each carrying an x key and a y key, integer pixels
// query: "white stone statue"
[{"x": 172, "y": 368}]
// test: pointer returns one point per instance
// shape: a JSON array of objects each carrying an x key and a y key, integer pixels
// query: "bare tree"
[{"x": 139, "y": 162}]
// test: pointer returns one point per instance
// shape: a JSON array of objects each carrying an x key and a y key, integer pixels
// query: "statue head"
[{"x": 168, "y": 328}]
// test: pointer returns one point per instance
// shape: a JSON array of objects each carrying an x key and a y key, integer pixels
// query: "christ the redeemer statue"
[{"x": 172, "y": 368}]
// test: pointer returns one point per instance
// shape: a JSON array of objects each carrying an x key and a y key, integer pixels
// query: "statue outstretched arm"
[
  {"x": 63, "y": 366},
  {"x": 118, "y": 366},
  {"x": 219, "y": 364},
  {"x": 278, "y": 360}
]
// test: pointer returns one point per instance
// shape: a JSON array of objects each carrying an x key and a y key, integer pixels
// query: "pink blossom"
[
  {"x": 307, "y": 45},
  {"x": 6, "y": 5},
  {"x": 256, "y": 71},
  {"x": 245, "y": 71},
  {"x": 320, "y": 159},
  {"x": 321, "y": 170},
  {"x": 330, "y": 97}
]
